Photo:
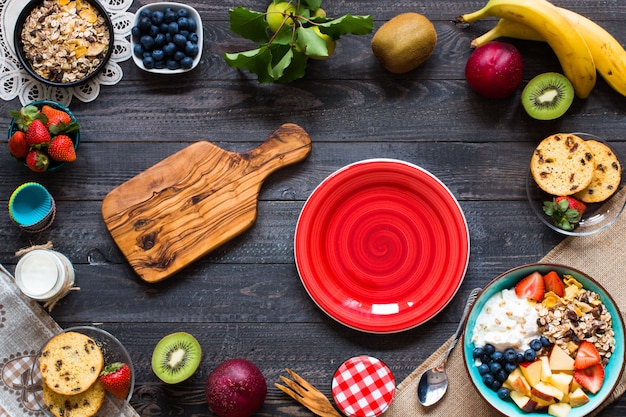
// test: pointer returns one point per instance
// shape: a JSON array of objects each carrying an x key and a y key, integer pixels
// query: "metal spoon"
[{"x": 434, "y": 382}]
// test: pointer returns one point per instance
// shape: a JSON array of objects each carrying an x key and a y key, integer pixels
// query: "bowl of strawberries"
[{"x": 44, "y": 135}]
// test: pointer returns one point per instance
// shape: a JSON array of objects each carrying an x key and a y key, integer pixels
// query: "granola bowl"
[
  {"x": 67, "y": 57},
  {"x": 586, "y": 311}
]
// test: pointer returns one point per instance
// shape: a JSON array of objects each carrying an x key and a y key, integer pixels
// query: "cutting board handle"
[{"x": 287, "y": 145}]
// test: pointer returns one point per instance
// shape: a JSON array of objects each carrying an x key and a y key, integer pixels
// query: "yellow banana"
[
  {"x": 506, "y": 28},
  {"x": 608, "y": 54},
  {"x": 568, "y": 45}
]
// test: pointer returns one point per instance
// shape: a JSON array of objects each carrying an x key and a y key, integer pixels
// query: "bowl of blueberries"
[{"x": 167, "y": 38}]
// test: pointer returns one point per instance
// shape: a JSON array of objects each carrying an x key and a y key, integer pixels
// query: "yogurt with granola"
[{"x": 506, "y": 320}]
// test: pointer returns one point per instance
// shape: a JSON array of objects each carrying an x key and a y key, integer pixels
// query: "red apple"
[{"x": 495, "y": 70}]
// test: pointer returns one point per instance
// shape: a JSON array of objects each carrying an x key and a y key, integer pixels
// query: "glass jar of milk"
[{"x": 44, "y": 274}]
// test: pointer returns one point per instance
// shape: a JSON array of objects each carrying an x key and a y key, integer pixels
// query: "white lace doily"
[{"x": 15, "y": 82}]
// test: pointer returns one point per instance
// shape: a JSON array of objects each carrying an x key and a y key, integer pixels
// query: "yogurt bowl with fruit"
[{"x": 544, "y": 339}]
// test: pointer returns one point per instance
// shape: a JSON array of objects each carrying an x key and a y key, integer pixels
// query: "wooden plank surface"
[{"x": 245, "y": 299}]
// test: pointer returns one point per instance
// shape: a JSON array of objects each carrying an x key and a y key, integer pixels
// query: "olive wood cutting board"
[{"x": 193, "y": 201}]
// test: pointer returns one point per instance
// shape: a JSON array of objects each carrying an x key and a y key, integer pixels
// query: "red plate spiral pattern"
[{"x": 381, "y": 246}]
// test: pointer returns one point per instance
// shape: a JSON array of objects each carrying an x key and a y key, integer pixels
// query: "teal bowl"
[
  {"x": 507, "y": 280},
  {"x": 75, "y": 136}
]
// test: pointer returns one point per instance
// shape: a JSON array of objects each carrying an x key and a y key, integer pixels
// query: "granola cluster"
[
  {"x": 579, "y": 315},
  {"x": 65, "y": 40}
]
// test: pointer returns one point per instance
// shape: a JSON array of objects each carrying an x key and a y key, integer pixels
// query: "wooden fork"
[{"x": 307, "y": 395}]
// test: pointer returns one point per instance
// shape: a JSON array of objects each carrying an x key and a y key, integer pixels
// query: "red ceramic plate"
[{"x": 381, "y": 246}]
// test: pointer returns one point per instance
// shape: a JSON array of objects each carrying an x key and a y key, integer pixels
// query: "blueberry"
[
  {"x": 154, "y": 30},
  {"x": 530, "y": 355},
  {"x": 488, "y": 379},
  {"x": 489, "y": 349},
  {"x": 519, "y": 357},
  {"x": 483, "y": 368},
  {"x": 148, "y": 62},
  {"x": 136, "y": 32},
  {"x": 535, "y": 345},
  {"x": 157, "y": 17},
  {"x": 183, "y": 23},
  {"x": 147, "y": 42},
  {"x": 501, "y": 375},
  {"x": 485, "y": 358},
  {"x": 172, "y": 64},
  {"x": 497, "y": 356},
  {"x": 146, "y": 54},
  {"x": 179, "y": 40},
  {"x": 495, "y": 385},
  {"x": 138, "y": 50},
  {"x": 186, "y": 62},
  {"x": 192, "y": 24},
  {"x": 159, "y": 40},
  {"x": 545, "y": 342},
  {"x": 159, "y": 64},
  {"x": 509, "y": 355},
  {"x": 144, "y": 23},
  {"x": 169, "y": 49},
  {"x": 163, "y": 27},
  {"x": 145, "y": 13},
  {"x": 494, "y": 367},
  {"x": 172, "y": 28},
  {"x": 510, "y": 367},
  {"x": 158, "y": 54},
  {"x": 193, "y": 37},
  {"x": 185, "y": 33},
  {"x": 503, "y": 393},
  {"x": 170, "y": 16},
  {"x": 191, "y": 49},
  {"x": 182, "y": 12}
]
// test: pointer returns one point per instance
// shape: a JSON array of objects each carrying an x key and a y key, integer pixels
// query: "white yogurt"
[
  {"x": 506, "y": 320},
  {"x": 44, "y": 274}
]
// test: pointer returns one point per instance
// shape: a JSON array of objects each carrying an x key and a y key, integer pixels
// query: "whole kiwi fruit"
[
  {"x": 176, "y": 357},
  {"x": 404, "y": 42}
]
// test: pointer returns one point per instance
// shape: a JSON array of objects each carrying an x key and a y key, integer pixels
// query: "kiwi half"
[
  {"x": 548, "y": 96},
  {"x": 176, "y": 357}
]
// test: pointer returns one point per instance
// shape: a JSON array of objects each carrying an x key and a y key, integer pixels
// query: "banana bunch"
[{"x": 581, "y": 45}]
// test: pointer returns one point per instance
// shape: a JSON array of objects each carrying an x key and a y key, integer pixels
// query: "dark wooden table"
[{"x": 245, "y": 299}]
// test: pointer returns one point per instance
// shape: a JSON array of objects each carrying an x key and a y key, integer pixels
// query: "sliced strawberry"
[
  {"x": 590, "y": 378},
  {"x": 532, "y": 287},
  {"x": 586, "y": 356},
  {"x": 553, "y": 283}
]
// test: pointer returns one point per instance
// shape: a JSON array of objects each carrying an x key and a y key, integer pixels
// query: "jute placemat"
[
  {"x": 24, "y": 327},
  {"x": 601, "y": 256}
]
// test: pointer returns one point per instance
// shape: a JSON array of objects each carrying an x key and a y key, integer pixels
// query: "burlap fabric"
[
  {"x": 602, "y": 256},
  {"x": 24, "y": 328}
]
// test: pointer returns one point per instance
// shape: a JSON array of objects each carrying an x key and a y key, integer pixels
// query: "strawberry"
[
  {"x": 17, "y": 144},
  {"x": 116, "y": 379},
  {"x": 531, "y": 287},
  {"x": 37, "y": 134},
  {"x": 590, "y": 378},
  {"x": 566, "y": 211},
  {"x": 62, "y": 149},
  {"x": 553, "y": 283},
  {"x": 37, "y": 161},
  {"x": 25, "y": 116},
  {"x": 58, "y": 120},
  {"x": 586, "y": 356}
]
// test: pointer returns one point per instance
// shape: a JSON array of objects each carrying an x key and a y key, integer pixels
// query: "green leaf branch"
[{"x": 282, "y": 56}]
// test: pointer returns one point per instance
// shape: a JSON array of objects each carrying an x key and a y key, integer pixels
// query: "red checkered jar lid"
[{"x": 363, "y": 387}]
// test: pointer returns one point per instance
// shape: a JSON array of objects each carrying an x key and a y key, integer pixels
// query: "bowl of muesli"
[
  {"x": 544, "y": 339},
  {"x": 63, "y": 43}
]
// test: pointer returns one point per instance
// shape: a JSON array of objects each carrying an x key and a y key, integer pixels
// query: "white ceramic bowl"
[
  {"x": 597, "y": 217},
  {"x": 161, "y": 6},
  {"x": 613, "y": 370}
]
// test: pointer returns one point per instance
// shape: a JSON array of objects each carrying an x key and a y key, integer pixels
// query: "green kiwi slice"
[
  {"x": 176, "y": 357},
  {"x": 548, "y": 96}
]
